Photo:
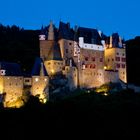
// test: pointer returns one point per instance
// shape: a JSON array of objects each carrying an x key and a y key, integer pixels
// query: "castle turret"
[
  {"x": 40, "y": 81},
  {"x": 110, "y": 42},
  {"x": 51, "y": 32}
]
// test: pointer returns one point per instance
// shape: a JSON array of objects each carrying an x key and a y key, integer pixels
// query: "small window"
[
  {"x": 86, "y": 58},
  {"x": 118, "y": 65},
  {"x": 101, "y": 59},
  {"x": 66, "y": 50},
  {"x": 70, "y": 43},
  {"x": 117, "y": 53},
  {"x": 27, "y": 80},
  {"x": 123, "y": 65},
  {"x": 112, "y": 59},
  {"x": 86, "y": 66},
  {"x": 123, "y": 59},
  {"x": 92, "y": 66},
  {"x": 93, "y": 58}
]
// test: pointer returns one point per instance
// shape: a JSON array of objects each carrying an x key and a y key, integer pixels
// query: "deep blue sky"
[{"x": 122, "y": 16}]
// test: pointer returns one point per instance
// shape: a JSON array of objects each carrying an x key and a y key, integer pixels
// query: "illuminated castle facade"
[{"x": 86, "y": 57}]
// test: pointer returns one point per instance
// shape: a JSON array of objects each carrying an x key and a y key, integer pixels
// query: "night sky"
[{"x": 122, "y": 16}]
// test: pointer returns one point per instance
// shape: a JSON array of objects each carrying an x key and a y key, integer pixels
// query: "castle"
[{"x": 86, "y": 57}]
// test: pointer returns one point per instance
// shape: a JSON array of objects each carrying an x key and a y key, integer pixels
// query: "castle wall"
[
  {"x": 115, "y": 59},
  {"x": 13, "y": 87},
  {"x": 72, "y": 75},
  {"x": 91, "y": 78},
  {"x": 66, "y": 48},
  {"x": 91, "y": 69},
  {"x": 111, "y": 76},
  {"x": 53, "y": 66},
  {"x": 110, "y": 55},
  {"x": 39, "y": 84}
]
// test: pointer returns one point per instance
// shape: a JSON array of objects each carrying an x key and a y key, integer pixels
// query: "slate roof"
[
  {"x": 115, "y": 40},
  {"x": 65, "y": 31},
  {"x": 91, "y": 36},
  {"x": 54, "y": 53},
  {"x": 36, "y": 71},
  {"x": 11, "y": 69}
]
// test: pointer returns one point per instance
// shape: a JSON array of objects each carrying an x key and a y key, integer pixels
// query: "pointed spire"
[
  {"x": 42, "y": 30},
  {"x": 51, "y": 31},
  {"x": 42, "y": 35}
]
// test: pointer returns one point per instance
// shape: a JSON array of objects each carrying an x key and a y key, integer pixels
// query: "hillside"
[{"x": 89, "y": 114}]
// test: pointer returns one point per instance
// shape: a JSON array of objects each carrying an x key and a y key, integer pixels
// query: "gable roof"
[
  {"x": 39, "y": 68},
  {"x": 11, "y": 69},
  {"x": 91, "y": 36},
  {"x": 65, "y": 31},
  {"x": 54, "y": 53}
]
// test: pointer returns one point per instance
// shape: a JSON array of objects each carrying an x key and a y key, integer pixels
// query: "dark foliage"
[
  {"x": 87, "y": 115},
  {"x": 133, "y": 60},
  {"x": 19, "y": 45}
]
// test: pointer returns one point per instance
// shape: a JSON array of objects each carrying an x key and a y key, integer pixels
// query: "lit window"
[
  {"x": 45, "y": 79},
  {"x": 36, "y": 79}
]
